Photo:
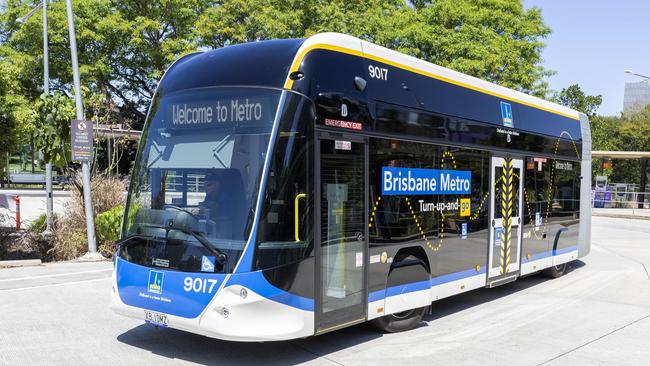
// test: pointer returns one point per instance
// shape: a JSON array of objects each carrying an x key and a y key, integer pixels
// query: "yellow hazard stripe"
[{"x": 288, "y": 84}]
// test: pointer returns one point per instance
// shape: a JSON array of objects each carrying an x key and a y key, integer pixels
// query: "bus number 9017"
[
  {"x": 377, "y": 72},
  {"x": 201, "y": 285}
]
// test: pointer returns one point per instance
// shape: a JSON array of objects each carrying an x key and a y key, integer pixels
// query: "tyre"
[
  {"x": 405, "y": 320},
  {"x": 555, "y": 271}
]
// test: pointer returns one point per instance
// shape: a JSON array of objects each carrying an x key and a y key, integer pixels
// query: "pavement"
[
  {"x": 32, "y": 203},
  {"x": 626, "y": 213},
  {"x": 598, "y": 314}
]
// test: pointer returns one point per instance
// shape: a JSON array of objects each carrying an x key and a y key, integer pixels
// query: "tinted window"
[{"x": 284, "y": 237}]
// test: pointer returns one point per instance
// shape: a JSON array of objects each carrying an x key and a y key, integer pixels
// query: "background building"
[{"x": 637, "y": 96}]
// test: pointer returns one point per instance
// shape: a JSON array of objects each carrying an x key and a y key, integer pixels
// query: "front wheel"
[
  {"x": 399, "y": 322},
  {"x": 555, "y": 271}
]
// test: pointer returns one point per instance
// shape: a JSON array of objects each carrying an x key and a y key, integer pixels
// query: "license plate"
[{"x": 155, "y": 318}]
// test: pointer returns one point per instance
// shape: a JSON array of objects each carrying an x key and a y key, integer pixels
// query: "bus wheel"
[
  {"x": 555, "y": 271},
  {"x": 399, "y": 322}
]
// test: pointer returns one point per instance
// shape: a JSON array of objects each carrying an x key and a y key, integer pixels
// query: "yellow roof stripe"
[{"x": 298, "y": 60}]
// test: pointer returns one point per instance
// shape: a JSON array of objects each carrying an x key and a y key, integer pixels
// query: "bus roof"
[
  {"x": 269, "y": 63},
  {"x": 354, "y": 46}
]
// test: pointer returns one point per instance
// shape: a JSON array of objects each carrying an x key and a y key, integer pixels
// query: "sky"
[{"x": 592, "y": 42}]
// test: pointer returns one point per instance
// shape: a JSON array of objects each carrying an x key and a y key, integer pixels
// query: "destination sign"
[
  {"x": 192, "y": 113},
  {"x": 414, "y": 181}
]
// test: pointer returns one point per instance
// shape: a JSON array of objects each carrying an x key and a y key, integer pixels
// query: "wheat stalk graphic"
[{"x": 506, "y": 214}]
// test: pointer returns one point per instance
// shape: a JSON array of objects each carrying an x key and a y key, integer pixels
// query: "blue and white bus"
[{"x": 288, "y": 188}]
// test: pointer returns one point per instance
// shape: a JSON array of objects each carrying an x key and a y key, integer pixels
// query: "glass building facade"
[{"x": 636, "y": 97}]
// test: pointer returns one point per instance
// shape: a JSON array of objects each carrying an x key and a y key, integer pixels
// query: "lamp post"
[
  {"x": 49, "y": 204},
  {"x": 85, "y": 167},
  {"x": 634, "y": 73}
]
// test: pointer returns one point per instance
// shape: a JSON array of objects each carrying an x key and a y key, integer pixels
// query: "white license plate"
[{"x": 155, "y": 318}]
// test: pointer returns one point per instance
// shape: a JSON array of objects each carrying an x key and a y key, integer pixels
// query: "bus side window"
[{"x": 285, "y": 232}]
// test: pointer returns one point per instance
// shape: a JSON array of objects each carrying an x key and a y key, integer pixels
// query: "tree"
[
  {"x": 574, "y": 97},
  {"x": 625, "y": 133},
  {"x": 125, "y": 46},
  {"x": 51, "y": 135},
  {"x": 496, "y": 40}
]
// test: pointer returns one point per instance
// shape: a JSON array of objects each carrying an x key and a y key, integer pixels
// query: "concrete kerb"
[
  {"x": 20, "y": 263},
  {"x": 92, "y": 257}
]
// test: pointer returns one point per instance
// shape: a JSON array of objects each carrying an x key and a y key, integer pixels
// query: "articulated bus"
[{"x": 289, "y": 188}]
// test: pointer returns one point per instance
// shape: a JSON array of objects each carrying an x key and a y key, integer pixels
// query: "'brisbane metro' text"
[{"x": 414, "y": 181}]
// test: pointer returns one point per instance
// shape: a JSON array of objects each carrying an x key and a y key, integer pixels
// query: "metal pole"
[
  {"x": 644, "y": 175},
  {"x": 85, "y": 169},
  {"x": 49, "y": 204}
]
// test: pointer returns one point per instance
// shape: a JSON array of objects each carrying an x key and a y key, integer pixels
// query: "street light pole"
[
  {"x": 49, "y": 204},
  {"x": 634, "y": 73},
  {"x": 85, "y": 168}
]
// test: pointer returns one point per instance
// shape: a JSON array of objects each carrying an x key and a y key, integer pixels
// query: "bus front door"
[
  {"x": 506, "y": 192},
  {"x": 341, "y": 232}
]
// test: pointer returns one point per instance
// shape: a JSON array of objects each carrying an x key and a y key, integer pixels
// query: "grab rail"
[{"x": 296, "y": 213}]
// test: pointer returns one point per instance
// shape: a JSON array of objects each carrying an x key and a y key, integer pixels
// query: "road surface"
[{"x": 597, "y": 314}]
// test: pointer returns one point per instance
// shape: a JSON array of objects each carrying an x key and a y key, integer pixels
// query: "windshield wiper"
[
  {"x": 220, "y": 256},
  {"x": 128, "y": 241}
]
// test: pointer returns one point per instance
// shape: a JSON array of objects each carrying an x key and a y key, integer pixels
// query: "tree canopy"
[
  {"x": 575, "y": 98},
  {"x": 125, "y": 46}
]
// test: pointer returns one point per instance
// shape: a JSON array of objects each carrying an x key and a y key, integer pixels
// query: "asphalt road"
[{"x": 597, "y": 314}]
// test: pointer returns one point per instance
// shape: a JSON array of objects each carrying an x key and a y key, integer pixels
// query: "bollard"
[{"x": 17, "y": 213}]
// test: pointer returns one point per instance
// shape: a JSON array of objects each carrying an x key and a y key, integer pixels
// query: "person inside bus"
[
  {"x": 223, "y": 202},
  {"x": 216, "y": 201}
]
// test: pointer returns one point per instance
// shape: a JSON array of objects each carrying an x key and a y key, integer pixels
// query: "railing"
[{"x": 617, "y": 198}]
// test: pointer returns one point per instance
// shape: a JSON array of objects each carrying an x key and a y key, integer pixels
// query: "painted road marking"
[
  {"x": 54, "y": 275},
  {"x": 53, "y": 285}
]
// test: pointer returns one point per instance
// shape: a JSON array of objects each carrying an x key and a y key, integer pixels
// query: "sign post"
[{"x": 84, "y": 138}]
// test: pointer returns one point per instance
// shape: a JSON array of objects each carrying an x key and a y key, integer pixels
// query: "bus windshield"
[{"x": 197, "y": 177}]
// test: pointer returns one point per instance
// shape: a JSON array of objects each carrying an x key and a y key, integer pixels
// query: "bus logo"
[
  {"x": 506, "y": 114},
  {"x": 156, "y": 281}
]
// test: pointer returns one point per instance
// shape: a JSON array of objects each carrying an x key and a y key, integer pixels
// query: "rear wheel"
[
  {"x": 555, "y": 271},
  {"x": 399, "y": 322}
]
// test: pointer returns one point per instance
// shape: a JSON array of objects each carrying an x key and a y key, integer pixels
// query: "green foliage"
[
  {"x": 38, "y": 225},
  {"x": 496, "y": 40},
  {"x": 625, "y": 133},
  {"x": 51, "y": 134},
  {"x": 108, "y": 224},
  {"x": 125, "y": 46},
  {"x": 574, "y": 97}
]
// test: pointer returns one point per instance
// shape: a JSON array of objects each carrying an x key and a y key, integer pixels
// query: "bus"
[{"x": 288, "y": 188}]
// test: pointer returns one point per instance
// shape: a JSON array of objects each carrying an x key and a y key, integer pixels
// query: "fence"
[{"x": 619, "y": 195}]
